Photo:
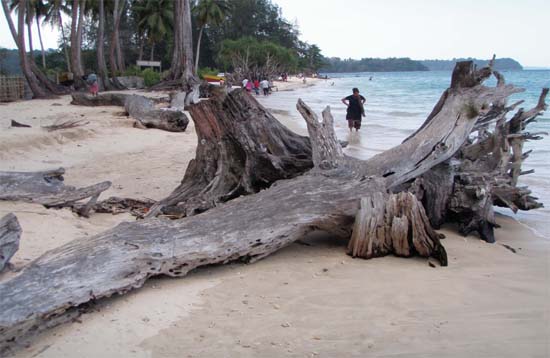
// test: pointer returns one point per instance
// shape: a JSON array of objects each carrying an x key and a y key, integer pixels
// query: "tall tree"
[
  {"x": 54, "y": 9},
  {"x": 208, "y": 12},
  {"x": 77, "y": 17},
  {"x": 155, "y": 19},
  {"x": 100, "y": 48},
  {"x": 182, "y": 60},
  {"x": 117, "y": 14},
  {"x": 19, "y": 39},
  {"x": 39, "y": 13}
]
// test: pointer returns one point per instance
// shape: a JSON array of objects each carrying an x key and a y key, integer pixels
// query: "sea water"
[{"x": 399, "y": 102}]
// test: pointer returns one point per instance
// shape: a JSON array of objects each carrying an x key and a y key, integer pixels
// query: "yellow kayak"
[{"x": 213, "y": 78}]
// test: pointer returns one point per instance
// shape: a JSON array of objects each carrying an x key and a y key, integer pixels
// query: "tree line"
[
  {"x": 338, "y": 65},
  {"x": 188, "y": 36}
]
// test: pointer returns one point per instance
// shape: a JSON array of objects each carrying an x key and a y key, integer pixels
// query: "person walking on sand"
[
  {"x": 94, "y": 85},
  {"x": 355, "y": 110}
]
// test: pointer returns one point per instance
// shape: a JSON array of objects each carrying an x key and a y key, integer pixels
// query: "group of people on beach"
[{"x": 256, "y": 85}]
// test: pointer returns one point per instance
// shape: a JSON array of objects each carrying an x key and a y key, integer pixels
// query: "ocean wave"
[{"x": 403, "y": 114}]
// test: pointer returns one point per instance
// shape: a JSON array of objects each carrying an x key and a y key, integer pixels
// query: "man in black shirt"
[{"x": 355, "y": 110}]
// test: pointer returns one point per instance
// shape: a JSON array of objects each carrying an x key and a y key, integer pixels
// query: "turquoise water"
[{"x": 399, "y": 102}]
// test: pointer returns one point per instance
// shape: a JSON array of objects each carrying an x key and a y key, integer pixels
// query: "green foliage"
[
  {"x": 210, "y": 12},
  {"x": 256, "y": 53},
  {"x": 150, "y": 77},
  {"x": 133, "y": 71}
]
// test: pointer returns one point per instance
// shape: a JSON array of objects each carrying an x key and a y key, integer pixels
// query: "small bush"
[
  {"x": 132, "y": 71},
  {"x": 150, "y": 77}
]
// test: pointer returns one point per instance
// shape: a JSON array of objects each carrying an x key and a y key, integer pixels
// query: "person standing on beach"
[
  {"x": 257, "y": 86},
  {"x": 356, "y": 110},
  {"x": 265, "y": 86},
  {"x": 94, "y": 85}
]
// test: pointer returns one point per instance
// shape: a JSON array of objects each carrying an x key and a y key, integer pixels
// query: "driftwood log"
[
  {"x": 143, "y": 110},
  {"x": 140, "y": 108},
  {"x": 10, "y": 234},
  {"x": 50, "y": 290},
  {"x": 47, "y": 188},
  {"x": 103, "y": 99}
]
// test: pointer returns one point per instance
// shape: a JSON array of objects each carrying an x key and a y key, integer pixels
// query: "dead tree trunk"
[
  {"x": 10, "y": 234},
  {"x": 50, "y": 289},
  {"x": 241, "y": 150}
]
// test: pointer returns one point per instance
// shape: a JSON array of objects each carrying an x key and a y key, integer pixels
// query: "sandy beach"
[{"x": 308, "y": 300}]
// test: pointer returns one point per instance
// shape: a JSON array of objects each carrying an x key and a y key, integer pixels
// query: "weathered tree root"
[
  {"x": 47, "y": 188},
  {"x": 484, "y": 172},
  {"x": 241, "y": 150},
  {"x": 394, "y": 224},
  {"x": 10, "y": 234}
]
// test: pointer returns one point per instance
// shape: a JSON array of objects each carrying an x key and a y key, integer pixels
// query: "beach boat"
[{"x": 213, "y": 78}]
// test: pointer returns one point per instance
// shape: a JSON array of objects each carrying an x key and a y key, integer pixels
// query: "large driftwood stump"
[
  {"x": 241, "y": 150},
  {"x": 248, "y": 228},
  {"x": 47, "y": 188},
  {"x": 395, "y": 223},
  {"x": 143, "y": 110},
  {"x": 10, "y": 234}
]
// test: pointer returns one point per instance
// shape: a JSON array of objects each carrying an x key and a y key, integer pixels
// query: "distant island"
[
  {"x": 501, "y": 64},
  {"x": 338, "y": 65}
]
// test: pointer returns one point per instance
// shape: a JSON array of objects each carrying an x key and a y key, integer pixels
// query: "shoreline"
[{"x": 488, "y": 302}]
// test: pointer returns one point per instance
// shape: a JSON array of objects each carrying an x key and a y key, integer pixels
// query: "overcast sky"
[{"x": 426, "y": 29}]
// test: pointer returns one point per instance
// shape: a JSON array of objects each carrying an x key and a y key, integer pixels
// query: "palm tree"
[
  {"x": 54, "y": 8},
  {"x": 78, "y": 8},
  {"x": 19, "y": 38},
  {"x": 39, "y": 13},
  {"x": 154, "y": 20},
  {"x": 208, "y": 12}
]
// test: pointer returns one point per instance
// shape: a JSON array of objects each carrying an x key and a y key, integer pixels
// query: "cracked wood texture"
[
  {"x": 10, "y": 234},
  {"x": 394, "y": 224},
  {"x": 50, "y": 289}
]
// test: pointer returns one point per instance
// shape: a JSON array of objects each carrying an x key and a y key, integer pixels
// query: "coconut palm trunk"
[
  {"x": 101, "y": 65},
  {"x": 41, "y": 42},
  {"x": 19, "y": 39},
  {"x": 197, "y": 55}
]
